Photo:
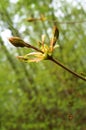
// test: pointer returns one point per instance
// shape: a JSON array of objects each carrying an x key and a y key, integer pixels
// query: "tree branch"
[{"x": 67, "y": 69}]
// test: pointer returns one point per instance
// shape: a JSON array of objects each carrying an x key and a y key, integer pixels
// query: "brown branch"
[
  {"x": 30, "y": 46},
  {"x": 67, "y": 69},
  {"x": 67, "y": 22}
]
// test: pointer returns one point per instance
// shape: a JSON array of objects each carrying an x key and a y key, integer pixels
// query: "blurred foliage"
[{"x": 42, "y": 96}]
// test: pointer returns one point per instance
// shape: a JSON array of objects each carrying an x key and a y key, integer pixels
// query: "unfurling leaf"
[{"x": 33, "y": 57}]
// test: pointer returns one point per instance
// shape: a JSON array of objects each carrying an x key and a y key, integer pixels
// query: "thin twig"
[
  {"x": 67, "y": 69},
  {"x": 67, "y": 22},
  {"x": 64, "y": 22},
  {"x": 30, "y": 46}
]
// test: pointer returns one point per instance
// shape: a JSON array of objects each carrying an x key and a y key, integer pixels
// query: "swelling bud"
[{"x": 17, "y": 42}]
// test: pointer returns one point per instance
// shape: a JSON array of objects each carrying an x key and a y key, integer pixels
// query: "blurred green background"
[{"x": 42, "y": 96}]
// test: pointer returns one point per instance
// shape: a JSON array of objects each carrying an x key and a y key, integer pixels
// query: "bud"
[
  {"x": 55, "y": 36},
  {"x": 31, "y": 19},
  {"x": 17, "y": 42},
  {"x": 56, "y": 32},
  {"x": 42, "y": 18}
]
